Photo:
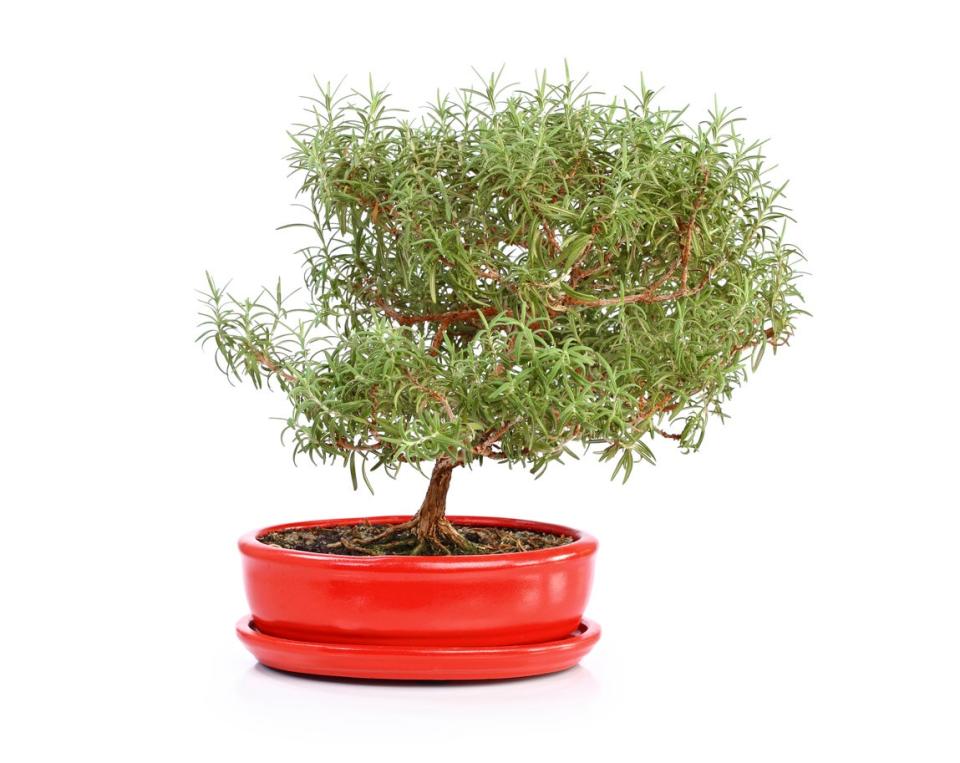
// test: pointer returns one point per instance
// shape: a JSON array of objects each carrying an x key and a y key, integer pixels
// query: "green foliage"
[{"x": 518, "y": 271}]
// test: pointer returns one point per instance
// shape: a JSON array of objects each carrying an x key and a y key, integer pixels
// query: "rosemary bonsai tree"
[{"x": 517, "y": 272}]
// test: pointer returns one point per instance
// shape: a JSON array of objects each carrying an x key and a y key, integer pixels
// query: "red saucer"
[{"x": 419, "y": 663}]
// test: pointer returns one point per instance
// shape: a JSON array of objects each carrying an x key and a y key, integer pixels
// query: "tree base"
[{"x": 405, "y": 540}]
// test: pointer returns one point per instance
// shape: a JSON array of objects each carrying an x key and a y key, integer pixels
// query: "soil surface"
[{"x": 358, "y": 540}]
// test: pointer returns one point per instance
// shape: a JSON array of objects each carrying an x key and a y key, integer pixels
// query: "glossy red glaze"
[
  {"x": 480, "y": 600},
  {"x": 419, "y": 663}
]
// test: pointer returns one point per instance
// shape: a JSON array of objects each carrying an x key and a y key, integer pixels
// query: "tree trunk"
[
  {"x": 433, "y": 531},
  {"x": 432, "y": 512}
]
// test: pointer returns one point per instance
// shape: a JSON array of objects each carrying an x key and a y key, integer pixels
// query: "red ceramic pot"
[{"x": 479, "y": 600}]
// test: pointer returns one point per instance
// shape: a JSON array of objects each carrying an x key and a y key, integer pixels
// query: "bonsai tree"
[{"x": 516, "y": 272}]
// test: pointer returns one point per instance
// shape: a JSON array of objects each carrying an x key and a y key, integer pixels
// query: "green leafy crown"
[{"x": 517, "y": 271}]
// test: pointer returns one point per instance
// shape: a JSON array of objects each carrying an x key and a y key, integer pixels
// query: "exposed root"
[
  {"x": 349, "y": 544},
  {"x": 408, "y": 542},
  {"x": 428, "y": 533},
  {"x": 410, "y": 524},
  {"x": 455, "y": 540},
  {"x": 443, "y": 537}
]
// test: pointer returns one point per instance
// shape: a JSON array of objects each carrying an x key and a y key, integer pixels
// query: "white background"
[{"x": 790, "y": 593}]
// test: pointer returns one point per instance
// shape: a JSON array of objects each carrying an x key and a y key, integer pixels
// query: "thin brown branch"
[
  {"x": 647, "y": 411},
  {"x": 438, "y": 337},
  {"x": 489, "y": 274},
  {"x": 467, "y": 315},
  {"x": 483, "y": 448},
  {"x": 501, "y": 366},
  {"x": 682, "y": 263},
  {"x": 551, "y": 239},
  {"x": 769, "y": 334},
  {"x": 648, "y": 296},
  {"x": 482, "y": 272},
  {"x": 498, "y": 237},
  {"x": 273, "y": 367},
  {"x": 668, "y": 435},
  {"x": 374, "y": 427},
  {"x": 345, "y": 444},
  {"x": 576, "y": 274},
  {"x": 688, "y": 230},
  {"x": 434, "y": 394}
]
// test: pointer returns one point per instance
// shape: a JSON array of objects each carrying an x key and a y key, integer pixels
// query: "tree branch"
[
  {"x": 682, "y": 263},
  {"x": 647, "y": 296},
  {"x": 462, "y": 315},
  {"x": 768, "y": 334},
  {"x": 551, "y": 239},
  {"x": 432, "y": 393},
  {"x": 271, "y": 365},
  {"x": 438, "y": 338},
  {"x": 689, "y": 228},
  {"x": 342, "y": 442},
  {"x": 483, "y": 449}
]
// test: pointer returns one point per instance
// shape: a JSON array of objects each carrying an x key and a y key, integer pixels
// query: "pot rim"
[{"x": 583, "y": 544}]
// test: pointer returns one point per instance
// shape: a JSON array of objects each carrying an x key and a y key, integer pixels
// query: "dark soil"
[{"x": 358, "y": 540}]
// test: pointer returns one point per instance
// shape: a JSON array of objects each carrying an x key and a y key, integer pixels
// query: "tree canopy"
[{"x": 515, "y": 272}]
